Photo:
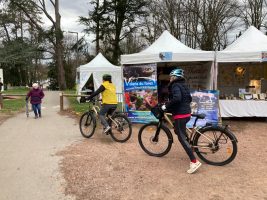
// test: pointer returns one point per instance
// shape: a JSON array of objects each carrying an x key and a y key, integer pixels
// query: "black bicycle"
[
  {"x": 214, "y": 144},
  {"x": 121, "y": 128}
]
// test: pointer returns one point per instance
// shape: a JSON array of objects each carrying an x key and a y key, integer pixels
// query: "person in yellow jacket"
[{"x": 109, "y": 99}]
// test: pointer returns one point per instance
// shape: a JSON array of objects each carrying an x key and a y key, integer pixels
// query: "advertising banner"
[
  {"x": 207, "y": 102},
  {"x": 140, "y": 91}
]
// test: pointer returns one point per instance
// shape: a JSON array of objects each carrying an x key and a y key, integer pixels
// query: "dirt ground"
[{"x": 99, "y": 168}]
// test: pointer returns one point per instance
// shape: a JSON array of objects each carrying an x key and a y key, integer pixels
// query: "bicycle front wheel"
[
  {"x": 215, "y": 146},
  {"x": 87, "y": 124},
  {"x": 153, "y": 144},
  {"x": 121, "y": 128}
]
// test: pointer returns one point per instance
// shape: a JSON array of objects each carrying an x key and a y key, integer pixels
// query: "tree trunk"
[{"x": 59, "y": 49}]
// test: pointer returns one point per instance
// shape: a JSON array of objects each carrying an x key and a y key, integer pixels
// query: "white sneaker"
[
  {"x": 193, "y": 167},
  {"x": 107, "y": 129}
]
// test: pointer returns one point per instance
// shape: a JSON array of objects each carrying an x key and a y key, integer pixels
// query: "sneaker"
[
  {"x": 107, "y": 129},
  {"x": 193, "y": 167},
  {"x": 35, "y": 117}
]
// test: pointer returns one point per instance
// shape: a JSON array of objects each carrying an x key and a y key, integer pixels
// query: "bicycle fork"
[{"x": 156, "y": 137}]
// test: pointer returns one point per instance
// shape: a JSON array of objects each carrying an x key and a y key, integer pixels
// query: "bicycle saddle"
[{"x": 200, "y": 116}]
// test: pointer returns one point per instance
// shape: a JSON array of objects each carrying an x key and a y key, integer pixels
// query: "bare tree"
[
  {"x": 253, "y": 12},
  {"x": 215, "y": 19}
]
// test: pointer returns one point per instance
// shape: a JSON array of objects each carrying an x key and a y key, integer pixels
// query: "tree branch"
[{"x": 43, "y": 8}]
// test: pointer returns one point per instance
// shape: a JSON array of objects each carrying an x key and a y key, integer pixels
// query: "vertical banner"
[
  {"x": 140, "y": 91},
  {"x": 207, "y": 102}
]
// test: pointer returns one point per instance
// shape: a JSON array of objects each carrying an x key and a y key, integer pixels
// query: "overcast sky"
[{"x": 70, "y": 11}]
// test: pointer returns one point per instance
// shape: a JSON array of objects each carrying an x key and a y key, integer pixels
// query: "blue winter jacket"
[{"x": 179, "y": 98}]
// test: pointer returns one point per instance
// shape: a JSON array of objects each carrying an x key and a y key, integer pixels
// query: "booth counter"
[{"x": 243, "y": 108}]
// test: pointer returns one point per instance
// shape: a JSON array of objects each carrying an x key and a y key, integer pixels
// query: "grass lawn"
[
  {"x": 75, "y": 106},
  {"x": 14, "y": 104}
]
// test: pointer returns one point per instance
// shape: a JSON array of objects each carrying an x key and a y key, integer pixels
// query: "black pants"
[{"x": 180, "y": 130}]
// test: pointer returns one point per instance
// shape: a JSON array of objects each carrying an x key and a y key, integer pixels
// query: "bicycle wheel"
[
  {"x": 153, "y": 145},
  {"x": 215, "y": 146},
  {"x": 121, "y": 128},
  {"x": 87, "y": 125}
]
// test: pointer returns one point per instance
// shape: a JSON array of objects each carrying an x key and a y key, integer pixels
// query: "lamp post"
[{"x": 76, "y": 46}]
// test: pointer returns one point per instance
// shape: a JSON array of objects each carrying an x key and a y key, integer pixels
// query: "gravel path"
[
  {"x": 99, "y": 168},
  {"x": 29, "y": 168}
]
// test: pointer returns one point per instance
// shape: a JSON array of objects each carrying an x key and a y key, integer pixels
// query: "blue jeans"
[
  {"x": 36, "y": 109},
  {"x": 105, "y": 109}
]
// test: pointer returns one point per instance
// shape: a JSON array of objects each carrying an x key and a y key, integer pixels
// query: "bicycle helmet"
[
  {"x": 107, "y": 77},
  {"x": 177, "y": 72}
]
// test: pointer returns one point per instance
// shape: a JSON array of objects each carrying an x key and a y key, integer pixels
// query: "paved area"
[{"x": 29, "y": 168}]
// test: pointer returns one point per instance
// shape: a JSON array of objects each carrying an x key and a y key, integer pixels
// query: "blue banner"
[
  {"x": 140, "y": 91},
  {"x": 207, "y": 102}
]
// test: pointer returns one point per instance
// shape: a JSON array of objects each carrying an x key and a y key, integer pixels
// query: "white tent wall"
[{"x": 98, "y": 67}]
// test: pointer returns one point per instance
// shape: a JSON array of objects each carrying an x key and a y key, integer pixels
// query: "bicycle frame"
[
  {"x": 96, "y": 109},
  {"x": 190, "y": 132}
]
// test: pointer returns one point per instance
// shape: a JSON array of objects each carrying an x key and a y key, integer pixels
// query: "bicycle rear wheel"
[
  {"x": 215, "y": 146},
  {"x": 155, "y": 145},
  {"x": 121, "y": 128},
  {"x": 87, "y": 124}
]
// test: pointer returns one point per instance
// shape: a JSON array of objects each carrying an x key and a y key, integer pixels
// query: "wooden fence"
[
  {"x": 8, "y": 95},
  {"x": 62, "y": 95}
]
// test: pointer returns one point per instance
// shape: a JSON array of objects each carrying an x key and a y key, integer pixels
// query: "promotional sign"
[
  {"x": 207, "y": 102},
  {"x": 264, "y": 56},
  {"x": 140, "y": 91},
  {"x": 165, "y": 56}
]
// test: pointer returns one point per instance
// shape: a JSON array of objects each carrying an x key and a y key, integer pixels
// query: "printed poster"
[
  {"x": 207, "y": 102},
  {"x": 140, "y": 91}
]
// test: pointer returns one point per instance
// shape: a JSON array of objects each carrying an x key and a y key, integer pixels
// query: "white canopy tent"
[
  {"x": 247, "y": 48},
  {"x": 177, "y": 52},
  {"x": 251, "y": 46},
  {"x": 98, "y": 67},
  {"x": 167, "y": 43}
]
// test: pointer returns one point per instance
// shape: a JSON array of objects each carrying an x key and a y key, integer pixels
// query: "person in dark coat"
[
  {"x": 36, "y": 95},
  {"x": 179, "y": 105}
]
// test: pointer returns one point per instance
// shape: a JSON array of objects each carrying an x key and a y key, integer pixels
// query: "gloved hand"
[{"x": 163, "y": 107}]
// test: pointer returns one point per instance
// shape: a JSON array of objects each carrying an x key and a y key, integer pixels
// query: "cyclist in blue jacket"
[{"x": 179, "y": 105}]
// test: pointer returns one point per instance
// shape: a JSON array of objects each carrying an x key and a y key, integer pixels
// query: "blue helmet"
[{"x": 177, "y": 72}]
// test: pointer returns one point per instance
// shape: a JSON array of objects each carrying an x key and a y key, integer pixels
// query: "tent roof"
[
  {"x": 167, "y": 43},
  {"x": 251, "y": 40},
  {"x": 99, "y": 63},
  {"x": 247, "y": 48}
]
